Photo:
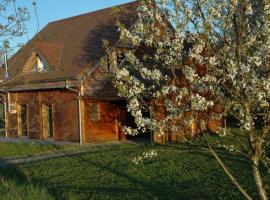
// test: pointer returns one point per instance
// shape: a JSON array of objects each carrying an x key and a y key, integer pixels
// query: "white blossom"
[{"x": 146, "y": 155}]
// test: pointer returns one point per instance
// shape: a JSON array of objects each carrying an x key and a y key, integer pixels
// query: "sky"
[{"x": 52, "y": 10}]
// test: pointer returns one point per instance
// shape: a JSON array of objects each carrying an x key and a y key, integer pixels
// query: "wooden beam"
[
  {"x": 40, "y": 117},
  {"x": 82, "y": 114},
  {"x": 82, "y": 107},
  {"x": 27, "y": 121},
  {"x": 53, "y": 118},
  {"x": 45, "y": 127},
  {"x": 19, "y": 121},
  {"x": 116, "y": 130},
  {"x": 117, "y": 115},
  {"x": 6, "y": 116}
]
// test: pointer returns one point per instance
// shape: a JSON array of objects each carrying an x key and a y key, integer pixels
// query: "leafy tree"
[{"x": 188, "y": 56}]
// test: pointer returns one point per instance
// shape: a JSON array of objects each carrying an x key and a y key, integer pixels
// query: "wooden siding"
[
  {"x": 107, "y": 127},
  {"x": 65, "y": 114},
  {"x": 190, "y": 130},
  {"x": 12, "y": 125}
]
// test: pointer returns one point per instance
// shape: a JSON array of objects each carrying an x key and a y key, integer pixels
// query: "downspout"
[
  {"x": 8, "y": 101},
  {"x": 80, "y": 118},
  {"x": 6, "y": 66},
  {"x": 5, "y": 111},
  {"x": 6, "y": 104},
  {"x": 80, "y": 95}
]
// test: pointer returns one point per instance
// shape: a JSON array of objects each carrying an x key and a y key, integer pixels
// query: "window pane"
[
  {"x": 120, "y": 57},
  {"x": 94, "y": 112},
  {"x": 35, "y": 68}
]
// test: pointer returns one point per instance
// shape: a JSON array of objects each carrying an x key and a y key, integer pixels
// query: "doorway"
[
  {"x": 47, "y": 120},
  {"x": 23, "y": 120}
]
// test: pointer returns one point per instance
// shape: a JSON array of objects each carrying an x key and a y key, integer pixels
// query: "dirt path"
[{"x": 6, "y": 162}]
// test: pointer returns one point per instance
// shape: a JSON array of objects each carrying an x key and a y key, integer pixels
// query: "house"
[{"x": 55, "y": 86}]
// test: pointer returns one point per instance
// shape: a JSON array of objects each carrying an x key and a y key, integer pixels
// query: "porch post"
[
  {"x": 6, "y": 117},
  {"x": 19, "y": 123},
  {"x": 81, "y": 116},
  {"x": 151, "y": 117}
]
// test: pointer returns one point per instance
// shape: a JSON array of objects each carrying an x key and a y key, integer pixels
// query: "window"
[
  {"x": 35, "y": 68},
  {"x": 94, "y": 112},
  {"x": 12, "y": 107},
  {"x": 107, "y": 61},
  {"x": 120, "y": 57},
  {"x": 114, "y": 59},
  {"x": 39, "y": 65}
]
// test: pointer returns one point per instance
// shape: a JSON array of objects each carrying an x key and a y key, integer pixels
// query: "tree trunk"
[
  {"x": 227, "y": 172},
  {"x": 258, "y": 179}
]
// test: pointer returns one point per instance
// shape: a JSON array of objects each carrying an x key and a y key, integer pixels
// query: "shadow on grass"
[
  {"x": 14, "y": 174},
  {"x": 152, "y": 187},
  {"x": 228, "y": 156},
  {"x": 16, "y": 186},
  {"x": 122, "y": 183}
]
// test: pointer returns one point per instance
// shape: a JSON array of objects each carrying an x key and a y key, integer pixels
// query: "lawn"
[
  {"x": 107, "y": 172},
  {"x": 31, "y": 149}
]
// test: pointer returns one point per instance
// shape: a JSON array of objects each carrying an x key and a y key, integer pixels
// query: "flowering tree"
[
  {"x": 190, "y": 55},
  {"x": 13, "y": 26},
  {"x": 13, "y": 20}
]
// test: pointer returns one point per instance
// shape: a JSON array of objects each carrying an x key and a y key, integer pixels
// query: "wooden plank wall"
[
  {"x": 65, "y": 113},
  {"x": 189, "y": 131},
  {"x": 107, "y": 128}
]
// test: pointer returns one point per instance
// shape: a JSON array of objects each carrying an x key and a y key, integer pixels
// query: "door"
[
  {"x": 47, "y": 121},
  {"x": 22, "y": 121}
]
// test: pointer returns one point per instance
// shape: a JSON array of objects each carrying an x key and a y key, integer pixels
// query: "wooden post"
[
  {"x": 82, "y": 121},
  {"x": 117, "y": 137},
  {"x": 116, "y": 115},
  {"x": 45, "y": 128},
  {"x": 40, "y": 117},
  {"x": 53, "y": 118},
  {"x": 27, "y": 121},
  {"x": 19, "y": 122},
  {"x": 6, "y": 116},
  {"x": 81, "y": 112},
  {"x": 225, "y": 126},
  {"x": 151, "y": 119}
]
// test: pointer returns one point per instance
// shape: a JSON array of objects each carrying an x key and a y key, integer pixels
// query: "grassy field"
[
  {"x": 31, "y": 149},
  {"x": 107, "y": 172}
]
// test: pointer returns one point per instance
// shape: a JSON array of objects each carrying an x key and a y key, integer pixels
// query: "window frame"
[{"x": 94, "y": 111}]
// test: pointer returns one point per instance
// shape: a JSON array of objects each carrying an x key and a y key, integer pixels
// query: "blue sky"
[{"x": 52, "y": 10}]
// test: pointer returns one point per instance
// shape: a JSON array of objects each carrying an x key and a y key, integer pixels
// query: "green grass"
[
  {"x": 30, "y": 149},
  {"x": 107, "y": 172}
]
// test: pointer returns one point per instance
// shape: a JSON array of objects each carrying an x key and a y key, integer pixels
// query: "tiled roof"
[{"x": 70, "y": 46}]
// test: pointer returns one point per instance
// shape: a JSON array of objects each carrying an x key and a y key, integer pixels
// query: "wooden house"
[{"x": 55, "y": 86}]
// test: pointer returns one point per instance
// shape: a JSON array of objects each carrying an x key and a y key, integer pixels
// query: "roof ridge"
[
  {"x": 71, "y": 54},
  {"x": 99, "y": 10}
]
